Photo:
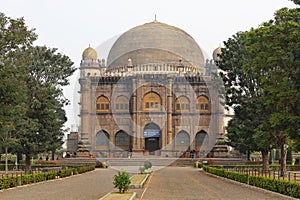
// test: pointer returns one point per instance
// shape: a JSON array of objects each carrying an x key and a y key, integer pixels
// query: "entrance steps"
[
  {"x": 161, "y": 161},
  {"x": 139, "y": 161},
  {"x": 156, "y": 161}
]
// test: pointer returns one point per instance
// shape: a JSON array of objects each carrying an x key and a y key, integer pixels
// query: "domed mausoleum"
[{"x": 153, "y": 96}]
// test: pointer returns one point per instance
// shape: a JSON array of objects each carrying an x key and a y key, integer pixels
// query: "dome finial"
[{"x": 155, "y": 18}]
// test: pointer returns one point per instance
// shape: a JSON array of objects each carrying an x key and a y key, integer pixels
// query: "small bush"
[
  {"x": 142, "y": 170},
  {"x": 122, "y": 181},
  {"x": 85, "y": 169},
  {"x": 10, "y": 167},
  {"x": 200, "y": 165},
  {"x": 99, "y": 164},
  {"x": 65, "y": 172},
  {"x": 147, "y": 164}
]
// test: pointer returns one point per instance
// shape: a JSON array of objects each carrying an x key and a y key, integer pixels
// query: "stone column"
[
  {"x": 134, "y": 116},
  {"x": 169, "y": 111},
  {"x": 85, "y": 101}
]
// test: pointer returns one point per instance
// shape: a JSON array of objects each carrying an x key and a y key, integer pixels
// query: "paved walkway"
[
  {"x": 89, "y": 186},
  {"x": 167, "y": 183},
  {"x": 189, "y": 183}
]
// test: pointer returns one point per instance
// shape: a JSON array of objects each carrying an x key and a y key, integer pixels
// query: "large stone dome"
[{"x": 155, "y": 42}]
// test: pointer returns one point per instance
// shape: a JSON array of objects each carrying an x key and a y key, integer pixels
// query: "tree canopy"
[
  {"x": 261, "y": 74},
  {"x": 31, "y": 89}
]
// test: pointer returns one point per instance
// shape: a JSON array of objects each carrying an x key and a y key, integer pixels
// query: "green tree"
[
  {"x": 46, "y": 73},
  {"x": 296, "y": 1},
  {"x": 243, "y": 94},
  {"x": 278, "y": 60},
  {"x": 31, "y": 90},
  {"x": 261, "y": 67},
  {"x": 55, "y": 122},
  {"x": 15, "y": 37}
]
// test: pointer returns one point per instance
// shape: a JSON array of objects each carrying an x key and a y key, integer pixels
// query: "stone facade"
[
  {"x": 153, "y": 107},
  {"x": 72, "y": 141}
]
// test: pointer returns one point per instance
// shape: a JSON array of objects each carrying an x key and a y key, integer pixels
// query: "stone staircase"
[{"x": 157, "y": 162}]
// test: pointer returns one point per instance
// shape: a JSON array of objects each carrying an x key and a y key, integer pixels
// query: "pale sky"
[{"x": 71, "y": 25}]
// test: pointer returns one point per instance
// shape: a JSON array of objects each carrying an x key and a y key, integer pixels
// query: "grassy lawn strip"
[
  {"x": 138, "y": 179},
  {"x": 118, "y": 196}
]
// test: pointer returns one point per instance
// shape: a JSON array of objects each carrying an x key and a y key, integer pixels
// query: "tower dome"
[
  {"x": 216, "y": 54},
  {"x": 89, "y": 54},
  {"x": 155, "y": 42}
]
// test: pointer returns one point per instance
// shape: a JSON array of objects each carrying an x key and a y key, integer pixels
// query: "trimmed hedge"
[
  {"x": 243, "y": 178},
  {"x": 85, "y": 169},
  {"x": 283, "y": 187},
  {"x": 65, "y": 173},
  {"x": 24, "y": 179},
  {"x": 272, "y": 167},
  {"x": 72, "y": 171},
  {"x": 14, "y": 181},
  {"x": 10, "y": 167},
  {"x": 280, "y": 186}
]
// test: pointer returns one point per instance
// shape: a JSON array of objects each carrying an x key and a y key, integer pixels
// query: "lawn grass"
[
  {"x": 138, "y": 179},
  {"x": 118, "y": 196}
]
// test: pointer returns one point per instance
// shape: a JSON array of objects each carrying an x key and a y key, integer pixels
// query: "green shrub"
[
  {"x": 99, "y": 165},
  {"x": 65, "y": 172},
  {"x": 49, "y": 175},
  {"x": 122, "y": 181},
  {"x": 75, "y": 171},
  {"x": 38, "y": 177},
  {"x": 24, "y": 179},
  {"x": 147, "y": 164},
  {"x": 10, "y": 167},
  {"x": 85, "y": 169},
  {"x": 9, "y": 182},
  {"x": 142, "y": 170}
]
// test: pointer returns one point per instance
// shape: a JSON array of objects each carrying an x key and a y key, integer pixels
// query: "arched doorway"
[
  {"x": 102, "y": 140},
  {"x": 182, "y": 141},
  {"x": 152, "y": 134},
  {"x": 122, "y": 140},
  {"x": 201, "y": 143}
]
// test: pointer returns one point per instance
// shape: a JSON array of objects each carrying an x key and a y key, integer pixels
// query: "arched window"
[
  {"x": 151, "y": 102},
  {"x": 202, "y": 104},
  {"x": 122, "y": 104},
  {"x": 182, "y": 139},
  {"x": 201, "y": 139},
  {"x": 122, "y": 139},
  {"x": 102, "y": 138},
  {"x": 102, "y": 104},
  {"x": 182, "y": 104}
]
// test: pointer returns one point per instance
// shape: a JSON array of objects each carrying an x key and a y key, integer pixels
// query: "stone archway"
[
  {"x": 102, "y": 140},
  {"x": 202, "y": 143},
  {"x": 122, "y": 140},
  {"x": 182, "y": 141},
  {"x": 152, "y": 135}
]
